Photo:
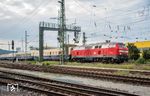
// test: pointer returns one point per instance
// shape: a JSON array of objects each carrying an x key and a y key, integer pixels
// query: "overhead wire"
[{"x": 23, "y": 21}]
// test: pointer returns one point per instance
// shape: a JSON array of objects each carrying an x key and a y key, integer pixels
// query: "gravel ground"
[
  {"x": 20, "y": 92},
  {"x": 140, "y": 90}
]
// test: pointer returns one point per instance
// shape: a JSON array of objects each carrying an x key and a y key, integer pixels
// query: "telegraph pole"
[
  {"x": 12, "y": 47},
  {"x": 84, "y": 38},
  {"x": 68, "y": 38},
  {"x": 22, "y": 45},
  {"x": 62, "y": 29},
  {"x": 26, "y": 44},
  {"x": 8, "y": 46}
]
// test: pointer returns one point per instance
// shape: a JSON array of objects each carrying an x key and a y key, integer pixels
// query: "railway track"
[
  {"x": 40, "y": 87},
  {"x": 141, "y": 72},
  {"x": 99, "y": 74},
  {"x": 48, "y": 86},
  {"x": 88, "y": 72}
]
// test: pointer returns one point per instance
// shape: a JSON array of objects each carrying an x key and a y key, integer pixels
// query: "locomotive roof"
[
  {"x": 100, "y": 43},
  {"x": 94, "y": 44}
]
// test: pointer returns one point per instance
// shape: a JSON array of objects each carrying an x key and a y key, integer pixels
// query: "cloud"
[{"x": 16, "y": 16}]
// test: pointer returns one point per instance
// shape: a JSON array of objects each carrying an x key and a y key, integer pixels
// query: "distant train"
[
  {"x": 33, "y": 58},
  {"x": 112, "y": 52}
]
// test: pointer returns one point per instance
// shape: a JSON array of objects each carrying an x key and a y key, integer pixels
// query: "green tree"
[
  {"x": 133, "y": 52},
  {"x": 146, "y": 54}
]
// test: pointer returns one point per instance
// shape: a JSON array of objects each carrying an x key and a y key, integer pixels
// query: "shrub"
[
  {"x": 141, "y": 61},
  {"x": 146, "y": 54},
  {"x": 133, "y": 52}
]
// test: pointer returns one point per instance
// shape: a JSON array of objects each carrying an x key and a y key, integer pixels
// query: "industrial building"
[{"x": 142, "y": 45}]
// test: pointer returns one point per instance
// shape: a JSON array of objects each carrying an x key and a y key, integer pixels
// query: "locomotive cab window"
[{"x": 121, "y": 45}]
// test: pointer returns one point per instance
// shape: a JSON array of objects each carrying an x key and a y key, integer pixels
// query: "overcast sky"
[{"x": 115, "y": 20}]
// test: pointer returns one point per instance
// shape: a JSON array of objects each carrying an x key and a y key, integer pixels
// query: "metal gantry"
[
  {"x": 62, "y": 28},
  {"x": 52, "y": 27}
]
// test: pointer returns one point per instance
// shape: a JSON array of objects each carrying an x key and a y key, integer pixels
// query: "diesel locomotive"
[{"x": 113, "y": 52}]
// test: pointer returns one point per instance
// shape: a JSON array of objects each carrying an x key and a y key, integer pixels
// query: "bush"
[
  {"x": 46, "y": 63},
  {"x": 133, "y": 52},
  {"x": 146, "y": 54},
  {"x": 141, "y": 61}
]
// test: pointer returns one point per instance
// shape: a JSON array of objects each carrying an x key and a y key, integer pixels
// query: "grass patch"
[
  {"x": 44, "y": 62},
  {"x": 50, "y": 63},
  {"x": 124, "y": 66},
  {"x": 120, "y": 66},
  {"x": 129, "y": 65},
  {"x": 125, "y": 73},
  {"x": 32, "y": 62}
]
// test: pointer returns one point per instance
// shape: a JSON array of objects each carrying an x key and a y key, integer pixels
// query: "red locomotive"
[{"x": 100, "y": 52}]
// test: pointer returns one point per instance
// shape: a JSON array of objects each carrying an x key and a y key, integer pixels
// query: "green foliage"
[
  {"x": 141, "y": 61},
  {"x": 134, "y": 53},
  {"x": 49, "y": 63},
  {"x": 126, "y": 65},
  {"x": 146, "y": 54}
]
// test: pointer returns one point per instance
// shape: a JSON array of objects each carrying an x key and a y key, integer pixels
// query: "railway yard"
[
  {"x": 66, "y": 80},
  {"x": 74, "y": 48}
]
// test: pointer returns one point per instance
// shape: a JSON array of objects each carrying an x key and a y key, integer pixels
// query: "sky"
[{"x": 115, "y": 20}]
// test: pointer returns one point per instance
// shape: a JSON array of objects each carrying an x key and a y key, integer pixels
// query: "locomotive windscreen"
[{"x": 121, "y": 45}]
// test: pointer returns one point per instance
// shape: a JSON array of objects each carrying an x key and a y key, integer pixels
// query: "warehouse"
[{"x": 142, "y": 45}]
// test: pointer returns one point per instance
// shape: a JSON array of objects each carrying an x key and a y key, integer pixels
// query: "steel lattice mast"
[{"x": 62, "y": 30}]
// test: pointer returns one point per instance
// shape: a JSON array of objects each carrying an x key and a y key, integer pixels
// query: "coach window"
[
  {"x": 59, "y": 52},
  {"x": 100, "y": 46}
]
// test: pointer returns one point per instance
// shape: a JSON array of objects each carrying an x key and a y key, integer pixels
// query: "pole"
[
  {"x": 12, "y": 43},
  {"x": 25, "y": 45},
  {"x": 84, "y": 38},
  {"x": 62, "y": 29},
  {"x": 68, "y": 38},
  {"x": 8, "y": 46},
  {"x": 22, "y": 45}
]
